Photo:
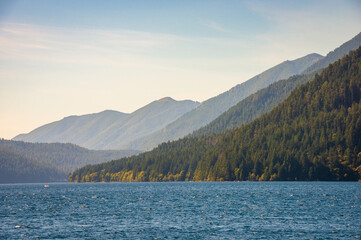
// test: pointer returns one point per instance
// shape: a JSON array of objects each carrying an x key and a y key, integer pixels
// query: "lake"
[{"x": 183, "y": 210}]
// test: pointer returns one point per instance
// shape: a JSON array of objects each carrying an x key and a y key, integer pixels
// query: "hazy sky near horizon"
[{"x": 61, "y": 58}]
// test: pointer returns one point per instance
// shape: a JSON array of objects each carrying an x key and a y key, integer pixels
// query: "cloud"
[
  {"x": 27, "y": 43},
  {"x": 215, "y": 26}
]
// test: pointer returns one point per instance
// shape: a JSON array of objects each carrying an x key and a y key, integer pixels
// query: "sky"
[{"x": 62, "y": 58}]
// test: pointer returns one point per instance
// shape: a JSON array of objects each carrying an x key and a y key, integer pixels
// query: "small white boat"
[{"x": 46, "y": 185}]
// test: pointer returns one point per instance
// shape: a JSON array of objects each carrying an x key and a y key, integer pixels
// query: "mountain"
[
  {"x": 110, "y": 129},
  {"x": 266, "y": 99},
  {"x": 64, "y": 158},
  {"x": 212, "y": 108},
  {"x": 15, "y": 168},
  {"x": 315, "y": 134}
]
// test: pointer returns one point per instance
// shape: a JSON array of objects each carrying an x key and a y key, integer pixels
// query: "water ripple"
[{"x": 185, "y": 210}]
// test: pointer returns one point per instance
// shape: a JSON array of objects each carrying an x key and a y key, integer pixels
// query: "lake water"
[{"x": 183, "y": 210}]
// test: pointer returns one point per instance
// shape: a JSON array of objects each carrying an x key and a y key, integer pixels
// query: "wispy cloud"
[
  {"x": 213, "y": 25},
  {"x": 39, "y": 42},
  {"x": 217, "y": 26},
  {"x": 63, "y": 54},
  {"x": 117, "y": 48}
]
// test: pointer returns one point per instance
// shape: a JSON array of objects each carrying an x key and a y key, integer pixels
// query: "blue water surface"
[{"x": 181, "y": 210}]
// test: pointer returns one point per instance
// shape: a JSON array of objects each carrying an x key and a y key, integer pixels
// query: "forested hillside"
[
  {"x": 315, "y": 134},
  {"x": 64, "y": 157},
  {"x": 15, "y": 168}
]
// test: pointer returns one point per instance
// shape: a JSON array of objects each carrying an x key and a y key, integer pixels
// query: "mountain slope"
[
  {"x": 215, "y": 106},
  {"x": 315, "y": 134},
  {"x": 110, "y": 129},
  {"x": 63, "y": 157}
]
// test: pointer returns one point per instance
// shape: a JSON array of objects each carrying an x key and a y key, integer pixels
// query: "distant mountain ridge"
[
  {"x": 213, "y": 107},
  {"x": 110, "y": 129}
]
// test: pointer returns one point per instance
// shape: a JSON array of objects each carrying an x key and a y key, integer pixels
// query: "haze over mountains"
[
  {"x": 167, "y": 119},
  {"x": 159, "y": 121}
]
